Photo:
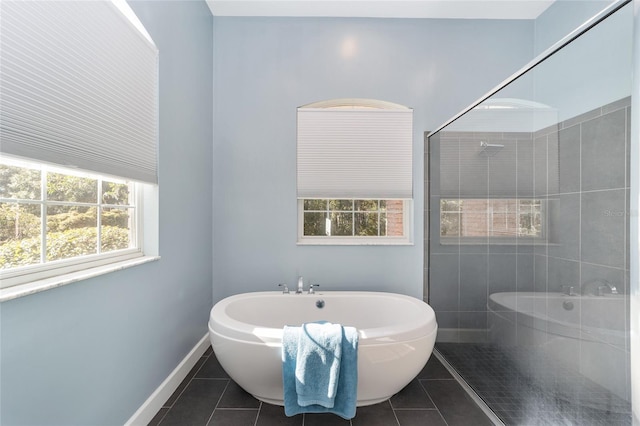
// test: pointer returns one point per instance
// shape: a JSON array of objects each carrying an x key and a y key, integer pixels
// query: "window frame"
[
  {"x": 405, "y": 239},
  {"x": 496, "y": 240},
  {"x": 13, "y": 278}
]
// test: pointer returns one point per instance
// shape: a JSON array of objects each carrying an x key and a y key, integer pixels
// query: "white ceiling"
[{"x": 455, "y": 9}]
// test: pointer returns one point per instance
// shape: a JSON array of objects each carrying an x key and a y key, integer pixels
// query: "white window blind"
[
  {"x": 355, "y": 149},
  {"x": 78, "y": 86}
]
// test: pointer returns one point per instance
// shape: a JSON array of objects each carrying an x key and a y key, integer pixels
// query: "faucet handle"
[
  {"x": 569, "y": 290},
  {"x": 285, "y": 289},
  {"x": 607, "y": 289},
  {"x": 311, "y": 286}
]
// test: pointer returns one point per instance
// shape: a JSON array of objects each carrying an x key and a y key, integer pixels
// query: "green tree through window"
[{"x": 50, "y": 215}]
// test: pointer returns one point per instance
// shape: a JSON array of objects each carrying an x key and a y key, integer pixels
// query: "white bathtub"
[
  {"x": 582, "y": 334},
  {"x": 396, "y": 336}
]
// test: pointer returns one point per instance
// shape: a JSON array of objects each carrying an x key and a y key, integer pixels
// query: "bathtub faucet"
[
  {"x": 300, "y": 286},
  {"x": 598, "y": 287},
  {"x": 285, "y": 289}
]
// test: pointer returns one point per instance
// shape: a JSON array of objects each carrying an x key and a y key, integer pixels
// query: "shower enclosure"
[{"x": 528, "y": 235}]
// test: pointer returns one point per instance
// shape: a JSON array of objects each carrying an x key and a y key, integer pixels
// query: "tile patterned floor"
[
  {"x": 208, "y": 397},
  {"x": 540, "y": 398}
]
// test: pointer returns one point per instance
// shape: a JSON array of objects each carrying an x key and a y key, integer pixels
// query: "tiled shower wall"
[
  {"x": 580, "y": 168},
  {"x": 588, "y": 217}
]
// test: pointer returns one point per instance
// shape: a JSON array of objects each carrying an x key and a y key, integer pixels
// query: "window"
[
  {"x": 355, "y": 220},
  {"x": 52, "y": 218},
  {"x": 78, "y": 125},
  {"x": 354, "y": 172},
  {"x": 500, "y": 220}
]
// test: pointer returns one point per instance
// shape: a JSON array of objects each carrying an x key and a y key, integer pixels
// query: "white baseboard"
[{"x": 153, "y": 404}]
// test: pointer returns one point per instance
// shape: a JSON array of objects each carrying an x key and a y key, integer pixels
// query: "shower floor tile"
[
  {"x": 209, "y": 397},
  {"x": 522, "y": 400}
]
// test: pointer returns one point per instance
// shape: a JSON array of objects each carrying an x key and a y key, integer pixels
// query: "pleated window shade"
[
  {"x": 359, "y": 149},
  {"x": 78, "y": 87}
]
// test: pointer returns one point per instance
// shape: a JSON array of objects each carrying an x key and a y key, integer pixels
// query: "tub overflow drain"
[{"x": 319, "y": 303}]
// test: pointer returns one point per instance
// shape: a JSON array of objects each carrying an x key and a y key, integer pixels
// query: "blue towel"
[
  {"x": 318, "y": 363},
  {"x": 346, "y": 391}
]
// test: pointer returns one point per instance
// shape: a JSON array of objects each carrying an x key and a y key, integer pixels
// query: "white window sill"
[
  {"x": 474, "y": 241},
  {"x": 353, "y": 242},
  {"x": 33, "y": 287}
]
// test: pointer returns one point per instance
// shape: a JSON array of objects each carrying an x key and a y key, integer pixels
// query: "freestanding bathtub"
[{"x": 396, "y": 334}]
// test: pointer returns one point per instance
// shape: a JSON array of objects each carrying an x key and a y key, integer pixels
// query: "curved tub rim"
[
  {"x": 562, "y": 328},
  {"x": 368, "y": 336},
  {"x": 279, "y": 344}
]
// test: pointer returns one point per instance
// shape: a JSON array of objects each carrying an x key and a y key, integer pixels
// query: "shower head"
[{"x": 490, "y": 149}]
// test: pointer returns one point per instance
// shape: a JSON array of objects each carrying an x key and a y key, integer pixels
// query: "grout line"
[
  {"x": 236, "y": 409},
  {"x": 165, "y": 415},
  {"x": 431, "y": 399},
  {"x": 429, "y": 396},
  {"x": 258, "y": 415},
  {"x": 580, "y": 262},
  {"x": 474, "y": 396},
  {"x": 435, "y": 380},
  {"x": 218, "y": 402},
  {"x": 204, "y": 361},
  {"x": 186, "y": 385},
  {"x": 182, "y": 391},
  {"x": 394, "y": 412},
  {"x": 210, "y": 378},
  {"x": 416, "y": 409}
]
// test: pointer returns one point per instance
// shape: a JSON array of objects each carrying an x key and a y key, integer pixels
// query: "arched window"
[{"x": 354, "y": 172}]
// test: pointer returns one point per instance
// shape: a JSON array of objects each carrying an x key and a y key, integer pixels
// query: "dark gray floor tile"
[
  {"x": 324, "y": 419},
  {"x": 455, "y": 405},
  {"x": 196, "y": 404},
  {"x": 211, "y": 369},
  {"x": 236, "y": 397},
  {"x": 208, "y": 352},
  {"x": 159, "y": 416},
  {"x": 375, "y": 415},
  {"x": 185, "y": 382},
  {"x": 420, "y": 418},
  {"x": 273, "y": 415},
  {"x": 412, "y": 396},
  {"x": 518, "y": 399},
  {"x": 233, "y": 418},
  {"x": 434, "y": 370}
]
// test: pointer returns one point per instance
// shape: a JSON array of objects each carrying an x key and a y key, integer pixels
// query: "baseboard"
[{"x": 153, "y": 404}]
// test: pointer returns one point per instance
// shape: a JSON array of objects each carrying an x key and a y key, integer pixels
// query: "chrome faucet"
[
  {"x": 300, "y": 288},
  {"x": 311, "y": 286},
  {"x": 598, "y": 287},
  {"x": 285, "y": 289}
]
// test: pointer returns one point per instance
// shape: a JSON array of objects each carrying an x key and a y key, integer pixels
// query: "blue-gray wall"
[
  {"x": 91, "y": 353},
  {"x": 600, "y": 59},
  {"x": 561, "y": 18},
  {"x": 266, "y": 67}
]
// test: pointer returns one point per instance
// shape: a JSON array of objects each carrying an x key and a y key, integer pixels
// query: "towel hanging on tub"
[{"x": 320, "y": 369}]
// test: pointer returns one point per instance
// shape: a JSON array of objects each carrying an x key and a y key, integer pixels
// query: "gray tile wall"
[
  {"x": 580, "y": 167},
  {"x": 588, "y": 216}
]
